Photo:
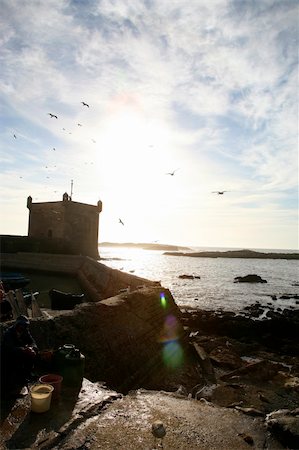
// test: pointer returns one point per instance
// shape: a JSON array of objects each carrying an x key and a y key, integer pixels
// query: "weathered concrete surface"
[
  {"x": 101, "y": 419},
  {"x": 126, "y": 424},
  {"x": 22, "y": 428}
]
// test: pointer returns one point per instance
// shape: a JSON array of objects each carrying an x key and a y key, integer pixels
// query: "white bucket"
[{"x": 41, "y": 395}]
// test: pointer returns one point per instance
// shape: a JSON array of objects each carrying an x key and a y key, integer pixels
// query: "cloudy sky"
[{"x": 206, "y": 89}]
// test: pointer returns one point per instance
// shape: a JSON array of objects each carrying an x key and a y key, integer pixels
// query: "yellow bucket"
[{"x": 41, "y": 395}]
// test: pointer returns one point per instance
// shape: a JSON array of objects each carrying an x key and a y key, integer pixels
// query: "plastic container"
[
  {"x": 41, "y": 395},
  {"x": 55, "y": 381},
  {"x": 59, "y": 358},
  {"x": 74, "y": 368}
]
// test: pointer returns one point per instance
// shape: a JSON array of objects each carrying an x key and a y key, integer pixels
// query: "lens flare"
[
  {"x": 163, "y": 300},
  {"x": 172, "y": 352}
]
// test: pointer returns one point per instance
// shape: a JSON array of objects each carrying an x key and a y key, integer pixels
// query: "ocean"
[{"x": 215, "y": 290}]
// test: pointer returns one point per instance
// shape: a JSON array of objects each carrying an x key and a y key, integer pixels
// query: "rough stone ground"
[
  {"x": 101, "y": 419},
  {"x": 248, "y": 371}
]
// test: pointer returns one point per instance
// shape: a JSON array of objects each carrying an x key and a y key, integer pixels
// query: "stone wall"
[
  {"x": 131, "y": 340},
  {"x": 15, "y": 244},
  {"x": 96, "y": 279},
  {"x": 45, "y": 262},
  {"x": 101, "y": 282}
]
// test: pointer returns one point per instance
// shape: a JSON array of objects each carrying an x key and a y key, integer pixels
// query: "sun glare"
[{"x": 134, "y": 155}]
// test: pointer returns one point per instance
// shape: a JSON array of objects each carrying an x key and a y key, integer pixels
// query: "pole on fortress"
[{"x": 72, "y": 182}]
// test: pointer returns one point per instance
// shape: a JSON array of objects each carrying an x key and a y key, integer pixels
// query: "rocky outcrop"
[
  {"x": 133, "y": 339},
  {"x": 189, "y": 277},
  {"x": 284, "y": 424},
  {"x": 251, "y": 278},
  {"x": 236, "y": 254},
  {"x": 277, "y": 332}
]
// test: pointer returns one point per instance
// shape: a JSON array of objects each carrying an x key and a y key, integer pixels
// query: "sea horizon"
[{"x": 194, "y": 248}]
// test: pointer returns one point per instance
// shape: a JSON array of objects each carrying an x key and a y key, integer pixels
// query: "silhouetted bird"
[
  {"x": 79, "y": 125},
  {"x": 85, "y": 104},
  {"x": 15, "y": 136},
  {"x": 120, "y": 221},
  {"x": 171, "y": 173},
  {"x": 219, "y": 192},
  {"x": 52, "y": 115}
]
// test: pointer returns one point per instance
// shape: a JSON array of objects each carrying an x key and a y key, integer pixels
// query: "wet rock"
[
  {"x": 226, "y": 395},
  {"x": 261, "y": 370},
  {"x": 255, "y": 310},
  {"x": 205, "y": 363},
  {"x": 205, "y": 392},
  {"x": 247, "y": 438},
  {"x": 225, "y": 357},
  {"x": 284, "y": 424},
  {"x": 251, "y": 278},
  {"x": 287, "y": 381},
  {"x": 250, "y": 411},
  {"x": 189, "y": 277}
]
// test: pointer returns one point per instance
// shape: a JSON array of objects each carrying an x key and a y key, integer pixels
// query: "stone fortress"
[
  {"x": 76, "y": 224},
  {"x": 59, "y": 227}
]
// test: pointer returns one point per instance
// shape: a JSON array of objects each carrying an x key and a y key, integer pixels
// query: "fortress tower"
[{"x": 69, "y": 225}]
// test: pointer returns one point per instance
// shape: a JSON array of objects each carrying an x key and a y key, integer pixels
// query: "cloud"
[{"x": 211, "y": 86}]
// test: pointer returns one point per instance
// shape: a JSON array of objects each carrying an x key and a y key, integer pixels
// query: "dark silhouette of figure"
[
  {"x": 85, "y": 104},
  {"x": 18, "y": 355},
  {"x": 52, "y": 116},
  {"x": 120, "y": 221}
]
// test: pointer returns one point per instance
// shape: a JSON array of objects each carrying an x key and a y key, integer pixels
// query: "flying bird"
[
  {"x": 15, "y": 136},
  {"x": 79, "y": 125},
  {"x": 85, "y": 104},
  {"x": 120, "y": 221},
  {"x": 219, "y": 192},
  {"x": 52, "y": 116},
  {"x": 171, "y": 173}
]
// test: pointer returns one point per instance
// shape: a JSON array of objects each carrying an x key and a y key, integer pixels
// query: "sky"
[{"x": 207, "y": 90}]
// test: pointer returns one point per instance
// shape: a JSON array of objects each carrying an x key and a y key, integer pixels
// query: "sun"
[{"x": 134, "y": 154}]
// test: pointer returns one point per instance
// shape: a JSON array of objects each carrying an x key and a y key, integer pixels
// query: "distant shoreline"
[
  {"x": 144, "y": 246},
  {"x": 236, "y": 254}
]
